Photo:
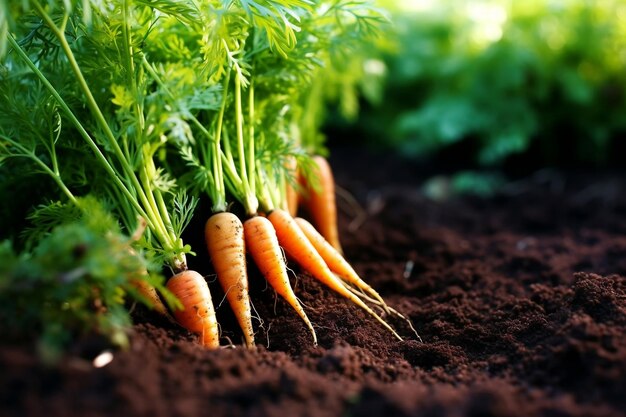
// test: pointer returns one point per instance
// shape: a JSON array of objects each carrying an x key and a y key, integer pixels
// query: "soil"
[{"x": 520, "y": 300}]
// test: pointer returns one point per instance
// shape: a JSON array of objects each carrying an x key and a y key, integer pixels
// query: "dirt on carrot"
[
  {"x": 226, "y": 247},
  {"x": 197, "y": 313},
  {"x": 520, "y": 300}
]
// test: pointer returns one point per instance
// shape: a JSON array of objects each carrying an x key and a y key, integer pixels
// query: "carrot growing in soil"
[
  {"x": 245, "y": 182},
  {"x": 262, "y": 243},
  {"x": 291, "y": 193},
  {"x": 296, "y": 244},
  {"x": 150, "y": 293},
  {"x": 223, "y": 230},
  {"x": 197, "y": 313},
  {"x": 225, "y": 242},
  {"x": 319, "y": 200},
  {"x": 335, "y": 261}
]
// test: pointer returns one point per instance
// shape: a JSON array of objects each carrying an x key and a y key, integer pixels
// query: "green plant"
[
  {"x": 506, "y": 76},
  {"x": 77, "y": 280},
  {"x": 147, "y": 104}
]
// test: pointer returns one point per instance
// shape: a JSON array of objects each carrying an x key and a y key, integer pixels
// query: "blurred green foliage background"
[{"x": 531, "y": 82}]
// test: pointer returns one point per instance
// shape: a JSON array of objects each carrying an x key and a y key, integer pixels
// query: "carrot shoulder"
[
  {"x": 321, "y": 202},
  {"x": 198, "y": 313},
  {"x": 262, "y": 244},
  {"x": 226, "y": 247},
  {"x": 298, "y": 247}
]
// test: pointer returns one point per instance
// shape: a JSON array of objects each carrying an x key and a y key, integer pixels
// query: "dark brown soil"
[{"x": 520, "y": 300}]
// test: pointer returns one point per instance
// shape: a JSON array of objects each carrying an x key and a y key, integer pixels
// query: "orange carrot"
[
  {"x": 198, "y": 314},
  {"x": 146, "y": 290},
  {"x": 296, "y": 244},
  {"x": 291, "y": 193},
  {"x": 321, "y": 204},
  {"x": 225, "y": 242},
  {"x": 149, "y": 293},
  {"x": 262, "y": 244},
  {"x": 335, "y": 261}
]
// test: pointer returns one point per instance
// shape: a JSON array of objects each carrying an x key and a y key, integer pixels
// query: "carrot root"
[
  {"x": 149, "y": 292},
  {"x": 335, "y": 261},
  {"x": 198, "y": 313},
  {"x": 321, "y": 203},
  {"x": 262, "y": 244},
  {"x": 291, "y": 193},
  {"x": 296, "y": 244},
  {"x": 225, "y": 243},
  {"x": 386, "y": 309}
]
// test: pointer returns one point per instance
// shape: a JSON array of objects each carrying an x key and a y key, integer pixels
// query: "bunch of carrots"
[
  {"x": 262, "y": 236},
  {"x": 171, "y": 99}
]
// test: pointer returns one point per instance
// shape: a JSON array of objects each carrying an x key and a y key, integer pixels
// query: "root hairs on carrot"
[{"x": 226, "y": 246}]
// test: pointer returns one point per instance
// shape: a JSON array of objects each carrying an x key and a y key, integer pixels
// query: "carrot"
[
  {"x": 262, "y": 244},
  {"x": 321, "y": 203},
  {"x": 335, "y": 261},
  {"x": 296, "y": 244},
  {"x": 149, "y": 293},
  {"x": 198, "y": 314},
  {"x": 292, "y": 197},
  {"x": 226, "y": 246},
  {"x": 146, "y": 290},
  {"x": 291, "y": 193}
]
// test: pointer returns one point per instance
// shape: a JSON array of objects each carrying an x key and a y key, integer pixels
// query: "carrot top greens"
[
  {"x": 148, "y": 105},
  {"x": 124, "y": 82}
]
